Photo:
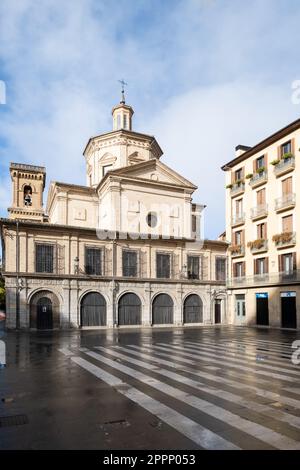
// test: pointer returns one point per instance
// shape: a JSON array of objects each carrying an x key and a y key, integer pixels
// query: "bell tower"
[{"x": 28, "y": 184}]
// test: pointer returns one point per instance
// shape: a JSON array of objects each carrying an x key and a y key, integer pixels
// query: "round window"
[{"x": 152, "y": 219}]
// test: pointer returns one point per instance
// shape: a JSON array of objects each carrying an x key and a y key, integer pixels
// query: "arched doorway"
[
  {"x": 129, "y": 309},
  {"x": 44, "y": 314},
  {"x": 193, "y": 309},
  {"x": 44, "y": 310},
  {"x": 93, "y": 310},
  {"x": 162, "y": 310}
]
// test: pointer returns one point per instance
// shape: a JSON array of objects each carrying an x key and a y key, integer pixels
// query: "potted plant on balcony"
[
  {"x": 229, "y": 186},
  {"x": 249, "y": 176},
  {"x": 239, "y": 182},
  {"x": 275, "y": 162},
  {"x": 287, "y": 156},
  {"x": 284, "y": 237},
  {"x": 256, "y": 244},
  {"x": 260, "y": 170},
  {"x": 235, "y": 249}
]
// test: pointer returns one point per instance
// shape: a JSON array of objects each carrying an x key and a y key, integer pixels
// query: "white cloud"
[
  {"x": 199, "y": 131},
  {"x": 181, "y": 59}
]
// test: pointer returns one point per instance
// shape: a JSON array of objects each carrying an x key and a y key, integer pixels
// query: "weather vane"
[{"x": 123, "y": 83}]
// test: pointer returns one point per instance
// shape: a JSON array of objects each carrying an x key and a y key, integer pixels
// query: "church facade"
[{"x": 123, "y": 250}]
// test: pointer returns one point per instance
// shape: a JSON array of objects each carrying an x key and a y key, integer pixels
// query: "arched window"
[
  {"x": 129, "y": 309},
  {"x": 119, "y": 121},
  {"x": 193, "y": 309},
  {"x": 162, "y": 310},
  {"x": 27, "y": 195}
]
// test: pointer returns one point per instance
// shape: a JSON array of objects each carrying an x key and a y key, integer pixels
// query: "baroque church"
[{"x": 125, "y": 250}]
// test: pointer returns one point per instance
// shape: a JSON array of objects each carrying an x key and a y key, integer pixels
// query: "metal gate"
[
  {"x": 93, "y": 310},
  {"x": 262, "y": 311},
  {"x": 129, "y": 310},
  {"x": 44, "y": 317},
  {"x": 193, "y": 309},
  {"x": 218, "y": 304},
  {"x": 162, "y": 310},
  {"x": 288, "y": 312}
]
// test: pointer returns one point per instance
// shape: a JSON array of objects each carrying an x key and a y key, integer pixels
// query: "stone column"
[
  {"x": 65, "y": 311},
  {"x": 147, "y": 320},
  {"x": 74, "y": 307},
  {"x": 178, "y": 310}
]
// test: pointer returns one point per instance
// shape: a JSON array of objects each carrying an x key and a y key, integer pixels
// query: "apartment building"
[{"x": 263, "y": 229}]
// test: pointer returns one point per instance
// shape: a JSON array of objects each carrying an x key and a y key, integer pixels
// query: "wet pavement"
[{"x": 217, "y": 387}]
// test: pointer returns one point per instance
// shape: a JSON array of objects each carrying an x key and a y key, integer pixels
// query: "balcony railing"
[
  {"x": 258, "y": 246},
  {"x": 258, "y": 179},
  {"x": 259, "y": 211},
  {"x": 238, "y": 219},
  {"x": 285, "y": 239},
  {"x": 269, "y": 279},
  {"x": 288, "y": 201},
  {"x": 237, "y": 188},
  {"x": 284, "y": 166}
]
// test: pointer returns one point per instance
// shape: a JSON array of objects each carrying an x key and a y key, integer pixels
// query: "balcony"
[
  {"x": 284, "y": 166},
  {"x": 237, "y": 251},
  {"x": 259, "y": 212},
  {"x": 258, "y": 179},
  {"x": 238, "y": 219},
  {"x": 237, "y": 188},
  {"x": 258, "y": 246},
  {"x": 273, "y": 279},
  {"x": 288, "y": 201},
  {"x": 284, "y": 239}
]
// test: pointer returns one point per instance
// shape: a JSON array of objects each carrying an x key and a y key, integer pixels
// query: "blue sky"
[{"x": 203, "y": 75}]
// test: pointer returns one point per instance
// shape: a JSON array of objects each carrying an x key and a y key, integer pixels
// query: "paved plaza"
[{"x": 182, "y": 388}]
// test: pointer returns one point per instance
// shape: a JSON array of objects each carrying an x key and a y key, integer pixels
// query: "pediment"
[
  {"x": 156, "y": 171},
  {"x": 108, "y": 158},
  {"x": 135, "y": 157}
]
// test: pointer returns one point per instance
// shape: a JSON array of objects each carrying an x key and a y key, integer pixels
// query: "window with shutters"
[
  {"x": 238, "y": 208},
  {"x": 260, "y": 162},
  {"x": 238, "y": 174},
  {"x": 93, "y": 261},
  {"x": 261, "y": 266},
  {"x": 286, "y": 148},
  {"x": 220, "y": 268},
  {"x": 238, "y": 237},
  {"x": 44, "y": 258},
  {"x": 193, "y": 267},
  {"x": 287, "y": 223},
  {"x": 287, "y": 186},
  {"x": 163, "y": 265},
  {"x": 239, "y": 269},
  {"x": 262, "y": 231},
  {"x": 287, "y": 263},
  {"x": 261, "y": 197},
  {"x": 129, "y": 263}
]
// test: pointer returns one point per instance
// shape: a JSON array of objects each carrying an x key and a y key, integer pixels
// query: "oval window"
[{"x": 152, "y": 219}]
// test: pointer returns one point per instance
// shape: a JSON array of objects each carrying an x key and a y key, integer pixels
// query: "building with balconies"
[{"x": 263, "y": 229}]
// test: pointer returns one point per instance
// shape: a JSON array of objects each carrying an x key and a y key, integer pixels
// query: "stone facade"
[{"x": 65, "y": 267}]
